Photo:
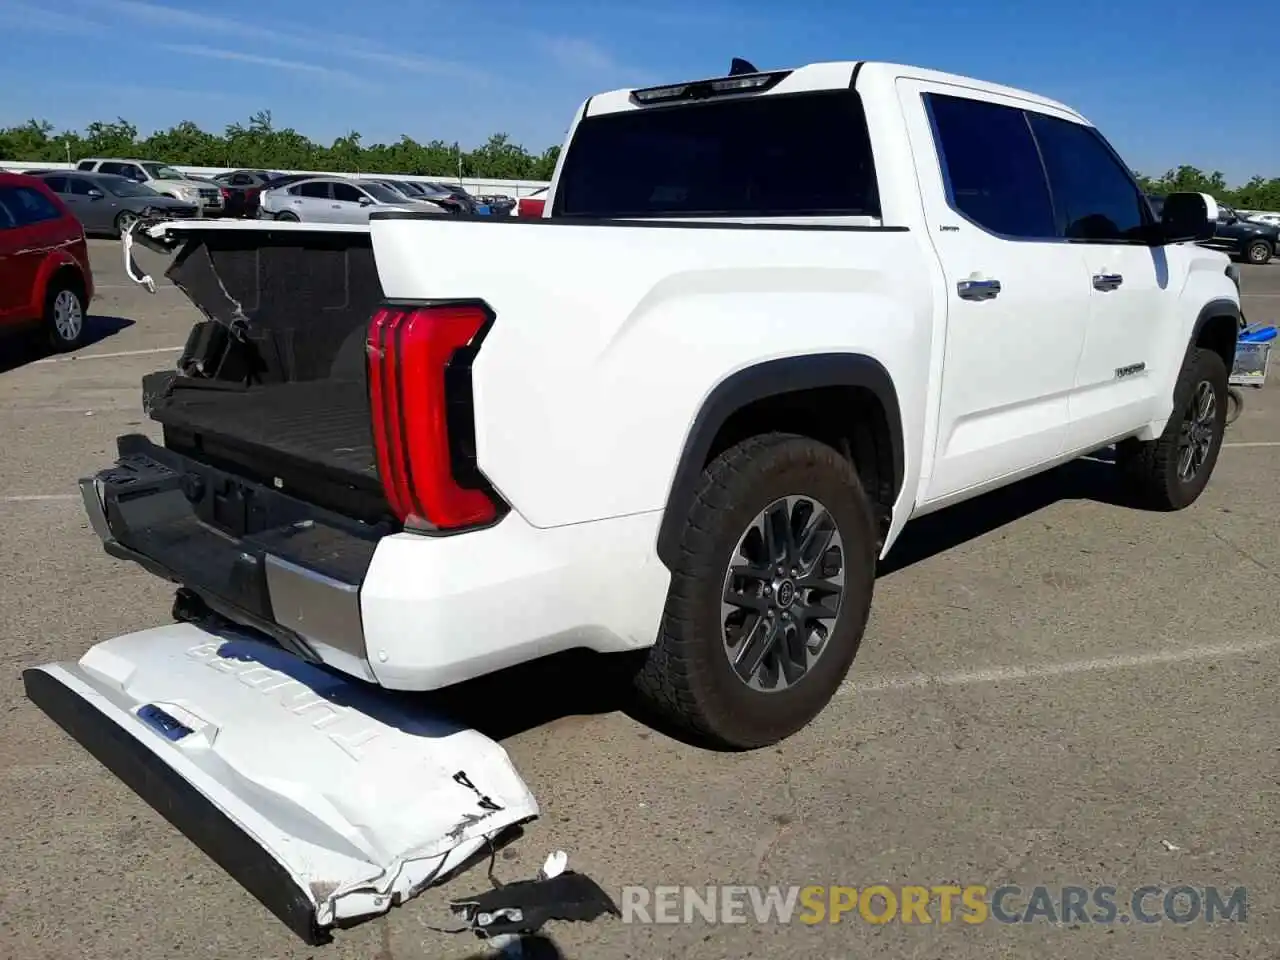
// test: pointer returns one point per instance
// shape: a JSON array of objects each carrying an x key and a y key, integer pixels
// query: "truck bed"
[
  {"x": 272, "y": 383},
  {"x": 324, "y": 422}
]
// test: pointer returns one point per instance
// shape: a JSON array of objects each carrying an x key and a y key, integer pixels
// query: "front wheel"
[
  {"x": 1170, "y": 473},
  {"x": 125, "y": 222},
  {"x": 770, "y": 596},
  {"x": 287, "y": 216},
  {"x": 1259, "y": 251}
]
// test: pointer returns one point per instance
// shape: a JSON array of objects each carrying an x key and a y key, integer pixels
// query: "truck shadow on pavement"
[
  {"x": 1089, "y": 478},
  {"x": 20, "y": 349},
  {"x": 582, "y": 683}
]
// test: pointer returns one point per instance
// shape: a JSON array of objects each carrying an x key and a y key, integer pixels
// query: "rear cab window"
[{"x": 769, "y": 155}]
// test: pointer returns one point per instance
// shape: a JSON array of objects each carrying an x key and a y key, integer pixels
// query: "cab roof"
[{"x": 832, "y": 75}]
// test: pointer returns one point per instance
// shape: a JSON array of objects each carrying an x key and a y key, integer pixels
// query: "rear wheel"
[
  {"x": 287, "y": 217},
  {"x": 1259, "y": 251},
  {"x": 770, "y": 596},
  {"x": 64, "y": 316},
  {"x": 1171, "y": 472}
]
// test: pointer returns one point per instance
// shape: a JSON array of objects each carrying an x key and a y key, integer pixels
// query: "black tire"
[
  {"x": 63, "y": 332},
  {"x": 1152, "y": 468},
  {"x": 687, "y": 676},
  {"x": 1258, "y": 251},
  {"x": 287, "y": 216}
]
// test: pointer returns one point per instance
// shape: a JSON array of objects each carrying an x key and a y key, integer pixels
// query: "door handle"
[
  {"x": 1107, "y": 281},
  {"x": 978, "y": 289}
]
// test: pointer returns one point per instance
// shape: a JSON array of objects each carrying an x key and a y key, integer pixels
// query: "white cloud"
[
  {"x": 21, "y": 17},
  {"x": 162, "y": 16},
  {"x": 275, "y": 63},
  {"x": 355, "y": 48},
  {"x": 579, "y": 54}
]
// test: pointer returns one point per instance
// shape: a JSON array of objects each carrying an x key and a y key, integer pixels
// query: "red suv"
[{"x": 45, "y": 278}]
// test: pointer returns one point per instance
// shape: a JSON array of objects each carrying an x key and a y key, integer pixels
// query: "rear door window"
[
  {"x": 317, "y": 191},
  {"x": 772, "y": 155},
  {"x": 27, "y": 206},
  {"x": 992, "y": 169},
  {"x": 56, "y": 184},
  {"x": 346, "y": 193}
]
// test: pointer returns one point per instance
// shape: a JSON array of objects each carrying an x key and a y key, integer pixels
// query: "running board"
[{"x": 328, "y": 800}]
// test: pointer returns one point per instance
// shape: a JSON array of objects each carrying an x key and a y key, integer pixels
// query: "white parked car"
[
  {"x": 1272, "y": 219},
  {"x": 163, "y": 179},
  {"x": 332, "y": 200},
  {"x": 770, "y": 319}
]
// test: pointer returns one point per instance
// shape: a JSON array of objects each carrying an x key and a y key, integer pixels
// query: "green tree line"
[{"x": 259, "y": 144}]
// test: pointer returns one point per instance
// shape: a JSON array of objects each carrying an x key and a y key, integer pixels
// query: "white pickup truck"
[{"x": 765, "y": 321}]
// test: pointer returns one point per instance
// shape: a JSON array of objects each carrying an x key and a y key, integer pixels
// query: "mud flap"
[{"x": 328, "y": 800}]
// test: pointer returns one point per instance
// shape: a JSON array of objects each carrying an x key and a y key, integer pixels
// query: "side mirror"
[
  {"x": 95, "y": 194},
  {"x": 366, "y": 202},
  {"x": 1187, "y": 216}
]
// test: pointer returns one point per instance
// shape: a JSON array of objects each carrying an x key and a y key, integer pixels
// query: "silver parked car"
[
  {"x": 331, "y": 200},
  {"x": 105, "y": 203}
]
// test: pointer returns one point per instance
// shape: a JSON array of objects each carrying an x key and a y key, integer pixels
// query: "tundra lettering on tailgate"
[{"x": 293, "y": 695}]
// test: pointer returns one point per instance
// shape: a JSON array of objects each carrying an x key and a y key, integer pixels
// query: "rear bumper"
[
  {"x": 252, "y": 554},
  {"x": 404, "y": 610},
  {"x": 326, "y": 801}
]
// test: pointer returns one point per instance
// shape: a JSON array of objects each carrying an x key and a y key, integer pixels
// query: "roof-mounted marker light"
[
  {"x": 719, "y": 86},
  {"x": 654, "y": 94}
]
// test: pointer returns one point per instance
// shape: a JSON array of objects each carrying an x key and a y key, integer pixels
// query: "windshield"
[
  {"x": 382, "y": 194},
  {"x": 161, "y": 171},
  {"x": 127, "y": 188},
  {"x": 806, "y": 154}
]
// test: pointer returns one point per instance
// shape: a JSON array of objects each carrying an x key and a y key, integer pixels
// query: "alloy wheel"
[
  {"x": 1195, "y": 439},
  {"x": 782, "y": 593},
  {"x": 68, "y": 316}
]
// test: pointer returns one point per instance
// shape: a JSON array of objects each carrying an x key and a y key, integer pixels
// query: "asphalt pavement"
[{"x": 1055, "y": 690}]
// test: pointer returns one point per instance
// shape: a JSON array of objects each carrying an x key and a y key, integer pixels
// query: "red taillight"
[{"x": 411, "y": 351}]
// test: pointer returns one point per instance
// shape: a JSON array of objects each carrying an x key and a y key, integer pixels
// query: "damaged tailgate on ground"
[{"x": 327, "y": 800}]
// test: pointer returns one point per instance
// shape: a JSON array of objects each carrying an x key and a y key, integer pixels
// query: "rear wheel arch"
[
  {"x": 67, "y": 273},
  {"x": 846, "y": 400}
]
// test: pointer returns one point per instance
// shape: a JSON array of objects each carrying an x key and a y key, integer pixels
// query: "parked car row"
[
  {"x": 109, "y": 195},
  {"x": 107, "y": 203}
]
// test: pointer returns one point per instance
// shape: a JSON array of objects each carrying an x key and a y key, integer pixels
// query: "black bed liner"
[{"x": 322, "y": 422}]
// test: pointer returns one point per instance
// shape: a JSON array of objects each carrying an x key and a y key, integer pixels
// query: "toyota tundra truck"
[{"x": 766, "y": 320}]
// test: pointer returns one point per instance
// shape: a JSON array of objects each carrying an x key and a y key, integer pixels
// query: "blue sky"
[{"x": 1169, "y": 82}]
